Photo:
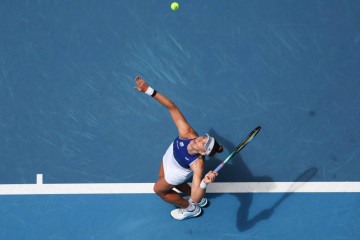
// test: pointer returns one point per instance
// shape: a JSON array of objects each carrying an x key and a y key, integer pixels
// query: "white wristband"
[
  {"x": 203, "y": 185},
  {"x": 150, "y": 91}
]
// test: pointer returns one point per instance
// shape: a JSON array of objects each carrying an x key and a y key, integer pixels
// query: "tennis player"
[{"x": 184, "y": 158}]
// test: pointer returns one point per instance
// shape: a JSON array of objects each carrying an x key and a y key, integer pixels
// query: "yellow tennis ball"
[{"x": 175, "y": 6}]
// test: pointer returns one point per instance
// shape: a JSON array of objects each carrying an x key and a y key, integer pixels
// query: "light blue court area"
[
  {"x": 69, "y": 115},
  {"x": 230, "y": 216}
]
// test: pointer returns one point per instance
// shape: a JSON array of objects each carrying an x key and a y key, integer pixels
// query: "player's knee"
[
  {"x": 157, "y": 190},
  {"x": 160, "y": 191}
]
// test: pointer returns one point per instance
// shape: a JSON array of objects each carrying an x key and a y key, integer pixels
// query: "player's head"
[
  {"x": 212, "y": 146},
  {"x": 206, "y": 145}
]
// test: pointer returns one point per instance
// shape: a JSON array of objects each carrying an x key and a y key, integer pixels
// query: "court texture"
[{"x": 80, "y": 149}]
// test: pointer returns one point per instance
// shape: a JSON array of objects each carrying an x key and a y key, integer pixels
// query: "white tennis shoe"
[{"x": 182, "y": 214}]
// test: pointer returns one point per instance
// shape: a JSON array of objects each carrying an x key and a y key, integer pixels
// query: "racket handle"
[{"x": 219, "y": 167}]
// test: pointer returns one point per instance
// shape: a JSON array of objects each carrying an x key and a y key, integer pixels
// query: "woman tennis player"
[{"x": 184, "y": 158}]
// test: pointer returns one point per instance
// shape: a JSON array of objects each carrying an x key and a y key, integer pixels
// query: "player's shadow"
[{"x": 239, "y": 172}]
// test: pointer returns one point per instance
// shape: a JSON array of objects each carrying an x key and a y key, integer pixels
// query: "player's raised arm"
[{"x": 185, "y": 130}]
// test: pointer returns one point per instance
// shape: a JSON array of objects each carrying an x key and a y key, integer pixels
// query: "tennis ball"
[{"x": 175, "y": 6}]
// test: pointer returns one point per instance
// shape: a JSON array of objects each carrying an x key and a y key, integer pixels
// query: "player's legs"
[
  {"x": 184, "y": 188},
  {"x": 164, "y": 190}
]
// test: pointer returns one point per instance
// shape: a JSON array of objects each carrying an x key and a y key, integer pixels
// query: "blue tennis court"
[{"x": 80, "y": 148}]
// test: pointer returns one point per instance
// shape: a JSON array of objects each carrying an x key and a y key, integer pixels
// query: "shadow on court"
[{"x": 239, "y": 172}]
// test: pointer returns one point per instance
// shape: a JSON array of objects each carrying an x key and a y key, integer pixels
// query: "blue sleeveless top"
[{"x": 180, "y": 152}]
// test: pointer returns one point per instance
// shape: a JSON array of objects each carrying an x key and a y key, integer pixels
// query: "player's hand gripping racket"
[{"x": 239, "y": 147}]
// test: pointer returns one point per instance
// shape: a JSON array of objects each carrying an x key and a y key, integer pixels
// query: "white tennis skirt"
[{"x": 174, "y": 173}]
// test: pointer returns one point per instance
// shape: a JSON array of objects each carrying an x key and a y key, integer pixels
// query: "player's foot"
[
  {"x": 182, "y": 213},
  {"x": 203, "y": 203}
]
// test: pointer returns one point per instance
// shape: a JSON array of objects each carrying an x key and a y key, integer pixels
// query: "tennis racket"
[{"x": 239, "y": 147}]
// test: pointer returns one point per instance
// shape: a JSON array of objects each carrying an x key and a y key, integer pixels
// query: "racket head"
[
  {"x": 240, "y": 146},
  {"x": 248, "y": 138}
]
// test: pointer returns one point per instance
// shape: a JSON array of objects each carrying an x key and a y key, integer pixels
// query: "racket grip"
[{"x": 219, "y": 167}]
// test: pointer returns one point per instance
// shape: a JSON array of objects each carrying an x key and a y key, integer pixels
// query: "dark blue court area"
[{"x": 69, "y": 111}]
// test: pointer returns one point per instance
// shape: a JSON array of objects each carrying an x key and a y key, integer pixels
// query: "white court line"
[
  {"x": 147, "y": 188},
  {"x": 39, "y": 179}
]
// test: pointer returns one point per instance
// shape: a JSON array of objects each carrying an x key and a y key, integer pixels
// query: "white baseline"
[{"x": 147, "y": 188}]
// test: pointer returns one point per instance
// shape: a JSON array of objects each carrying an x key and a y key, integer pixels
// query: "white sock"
[{"x": 191, "y": 207}]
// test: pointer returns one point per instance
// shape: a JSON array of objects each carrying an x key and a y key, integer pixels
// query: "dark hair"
[{"x": 216, "y": 149}]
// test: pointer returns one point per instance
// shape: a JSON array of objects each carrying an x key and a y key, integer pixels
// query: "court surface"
[{"x": 80, "y": 148}]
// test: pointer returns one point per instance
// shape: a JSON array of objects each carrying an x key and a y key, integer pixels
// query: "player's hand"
[
  {"x": 141, "y": 85},
  {"x": 210, "y": 177}
]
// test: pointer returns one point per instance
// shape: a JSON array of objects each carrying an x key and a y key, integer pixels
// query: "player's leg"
[
  {"x": 164, "y": 190},
  {"x": 184, "y": 188}
]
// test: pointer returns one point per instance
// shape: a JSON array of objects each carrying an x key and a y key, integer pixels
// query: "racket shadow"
[
  {"x": 245, "y": 224},
  {"x": 301, "y": 180}
]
